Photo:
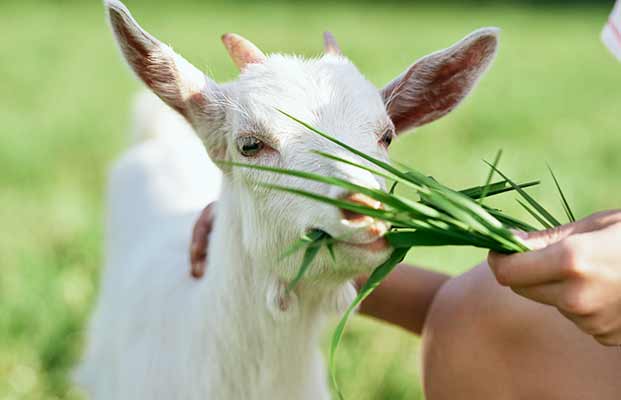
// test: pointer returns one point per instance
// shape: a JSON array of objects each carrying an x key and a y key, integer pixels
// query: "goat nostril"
[
  {"x": 363, "y": 200},
  {"x": 377, "y": 230},
  {"x": 355, "y": 217}
]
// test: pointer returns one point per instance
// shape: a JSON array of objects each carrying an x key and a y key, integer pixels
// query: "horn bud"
[
  {"x": 242, "y": 50},
  {"x": 329, "y": 44}
]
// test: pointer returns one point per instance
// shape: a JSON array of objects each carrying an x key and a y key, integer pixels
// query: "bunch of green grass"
[{"x": 437, "y": 216}]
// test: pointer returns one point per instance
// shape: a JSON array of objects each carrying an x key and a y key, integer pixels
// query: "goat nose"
[{"x": 363, "y": 200}]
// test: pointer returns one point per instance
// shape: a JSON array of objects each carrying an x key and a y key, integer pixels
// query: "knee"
[
  {"x": 466, "y": 307},
  {"x": 466, "y": 334},
  {"x": 481, "y": 340}
]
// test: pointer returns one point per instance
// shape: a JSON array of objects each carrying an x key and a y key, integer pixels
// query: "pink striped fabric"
[{"x": 611, "y": 35}]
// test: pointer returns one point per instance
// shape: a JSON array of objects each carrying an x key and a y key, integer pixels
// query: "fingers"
[
  {"x": 602, "y": 220},
  {"x": 604, "y": 328},
  {"x": 534, "y": 267},
  {"x": 198, "y": 247},
  {"x": 549, "y": 293},
  {"x": 611, "y": 339},
  {"x": 583, "y": 314},
  {"x": 197, "y": 265},
  {"x": 573, "y": 268},
  {"x": 540, "y": 239}
]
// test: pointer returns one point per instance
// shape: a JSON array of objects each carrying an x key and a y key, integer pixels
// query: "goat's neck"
[{"x": 271, "y": 341}]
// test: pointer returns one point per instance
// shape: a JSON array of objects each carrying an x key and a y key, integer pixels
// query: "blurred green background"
[{"x": 553, "y": 95}]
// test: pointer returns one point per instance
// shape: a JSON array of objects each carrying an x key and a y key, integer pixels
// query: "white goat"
[{"x": 237, "y": 334}]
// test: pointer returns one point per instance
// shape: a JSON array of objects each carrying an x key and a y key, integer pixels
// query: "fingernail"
[
  {"x": 196, "y": 270},
  {"x": 520, "y": 234}
]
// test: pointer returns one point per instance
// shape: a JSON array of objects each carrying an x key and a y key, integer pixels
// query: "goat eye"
[
  {"x": 386, "y": 138},
  {"x": 249, "y": 146}
]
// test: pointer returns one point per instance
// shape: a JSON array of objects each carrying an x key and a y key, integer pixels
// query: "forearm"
[{"x": 404, "y": 297}]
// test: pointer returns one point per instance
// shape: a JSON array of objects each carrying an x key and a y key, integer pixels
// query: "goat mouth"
[{"x": 379, "y": 244}]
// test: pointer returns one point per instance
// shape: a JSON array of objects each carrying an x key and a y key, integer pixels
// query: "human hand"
[
  {"x": 575, "y": 268},
  {"x": 200, "y": 237}
]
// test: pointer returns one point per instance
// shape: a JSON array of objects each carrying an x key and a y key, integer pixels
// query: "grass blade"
[
  {"x": 302, "y": 242},
  {"x": 421, "y": 237},
  {"x": 510, "y": 222},
  {"x": 309, "y": 256},
  {"x": 352, "y": 163},
  {"x": 379, "y": 195},
  {"x": 346, "y": 205},
  {"x": 393, "y": 187},
  {"x": 382, "y": 164},
  {"x": 330, "y": 247},
  {"x": 542, "y": 221},
  {"x": 490, "y": 176},
  {"x": 538, "y": 207},
  {"x": 373, "y": 282},
  {"x": 568, "y": 212},
  {"x": 476, "y": 192},
  {"x": 402, "y": 178}
]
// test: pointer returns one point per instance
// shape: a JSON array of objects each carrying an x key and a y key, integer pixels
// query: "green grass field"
[{"x": 552, "y": 96}]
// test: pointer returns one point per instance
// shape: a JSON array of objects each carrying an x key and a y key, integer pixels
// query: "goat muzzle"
[{"x": 363, "y": 200}]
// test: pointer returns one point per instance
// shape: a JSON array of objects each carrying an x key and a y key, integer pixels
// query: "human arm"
[{"x": 404, "y": 297}]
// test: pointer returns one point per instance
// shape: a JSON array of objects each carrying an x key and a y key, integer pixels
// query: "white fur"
[
  {"x": 235, "y": 334},
  {"x": 157, "y": 333}
]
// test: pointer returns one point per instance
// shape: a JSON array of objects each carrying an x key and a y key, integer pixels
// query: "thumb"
[{"x": 539, "y": 239}]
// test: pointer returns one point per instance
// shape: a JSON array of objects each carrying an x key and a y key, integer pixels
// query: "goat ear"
[
  {"x": 170, "y": 76},
  {"x": 177, "y": 82},
  {"x": 437, "y": 83}
]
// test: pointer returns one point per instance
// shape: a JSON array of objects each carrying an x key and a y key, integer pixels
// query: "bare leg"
[{"x": 482, "y": 341}]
